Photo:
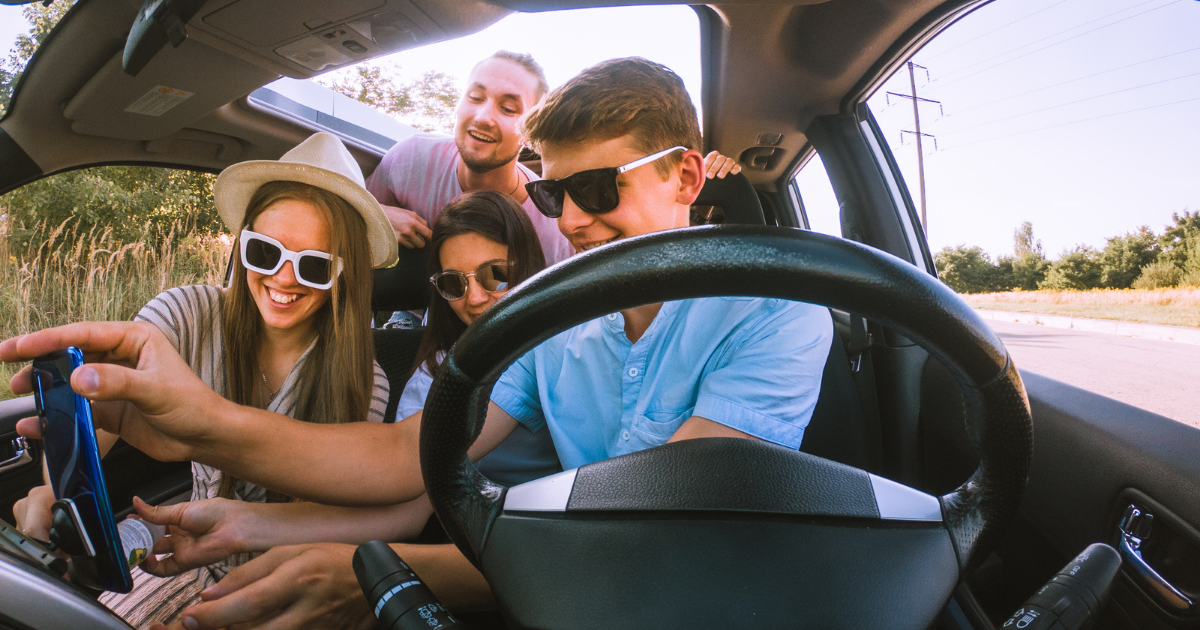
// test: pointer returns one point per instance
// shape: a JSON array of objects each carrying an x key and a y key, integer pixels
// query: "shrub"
[
  {"x": 1028, "y": 271},
  {"x": 966, "y": 269},
  {"x": 1077, "y": 269},
  {"x": 1160, "y": 275},
  {"x": 1123, "y": 257}
]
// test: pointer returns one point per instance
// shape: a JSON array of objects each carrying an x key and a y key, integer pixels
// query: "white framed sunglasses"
[{"x": 266, "y": 255}]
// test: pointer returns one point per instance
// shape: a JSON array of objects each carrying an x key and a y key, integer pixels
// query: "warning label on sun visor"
[{"x": 158, "y": 101}]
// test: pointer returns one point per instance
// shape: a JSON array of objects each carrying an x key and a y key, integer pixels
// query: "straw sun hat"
[{"x": 322, "y": 161}]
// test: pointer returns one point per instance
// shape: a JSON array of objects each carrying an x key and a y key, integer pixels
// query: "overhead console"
[
  {"x": 234, "y": 47},
  {"x": 302, "y": 38}
]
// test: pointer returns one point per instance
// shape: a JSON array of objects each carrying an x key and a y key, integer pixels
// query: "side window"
[
  {"x": 96, "y": 244},
  {"x": 814, "y": 195},
  {"x": 1047, "y": 151}
]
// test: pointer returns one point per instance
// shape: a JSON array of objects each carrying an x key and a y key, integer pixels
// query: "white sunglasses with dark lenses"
[{"x": 266, "y": 255}]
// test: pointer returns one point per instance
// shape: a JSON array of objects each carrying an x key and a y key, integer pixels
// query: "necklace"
[
  {"x": 518, "y": 186},
  {"x": 270, "y": 395}
]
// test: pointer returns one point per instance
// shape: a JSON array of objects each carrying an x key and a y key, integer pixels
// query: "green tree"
[
  {"x": 967, "y": 269},
  {"x": 1077, "y": 269},
  {"x": 1173, "y": 242},
  {"x": 1029, "y": 270},
  {"x": 41, "y": 21},
  {"x": 123, "y": 198},
  {"x": 1025, "y": 244},
  {"x": 1191, "y": 268},
  {"x": 1124, "y": 257},
  {"x": 1029, "y": 264},
  {"x": 427, "y": 103}
]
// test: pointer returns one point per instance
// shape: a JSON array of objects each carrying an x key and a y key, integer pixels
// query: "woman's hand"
[
  {"x": 33, "y": 513},
  {"x": 199, "y": 533},
  {"x": 141, "y": 389},
  {"x": 718, "y": 166},
  {"x": 301, "y": 586}
]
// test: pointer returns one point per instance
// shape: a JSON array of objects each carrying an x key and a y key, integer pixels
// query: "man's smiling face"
[
  {"x": 648, "y": 203},
  {"x": 498, "y": 93}
]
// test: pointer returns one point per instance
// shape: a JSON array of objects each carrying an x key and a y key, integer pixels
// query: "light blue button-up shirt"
[{"x": 752, "y": 364}]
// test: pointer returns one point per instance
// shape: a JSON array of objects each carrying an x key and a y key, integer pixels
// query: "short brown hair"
[
  {"x": 619, "y": 97},
  {"x": 525, "y": 60}
]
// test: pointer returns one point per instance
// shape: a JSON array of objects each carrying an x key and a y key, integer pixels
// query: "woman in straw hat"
[{"x": 290, "y": 334}]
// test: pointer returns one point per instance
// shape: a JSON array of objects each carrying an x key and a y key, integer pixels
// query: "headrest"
[
  {"x": 405, "y": 286},
  {"x": 734, "y": 195}
]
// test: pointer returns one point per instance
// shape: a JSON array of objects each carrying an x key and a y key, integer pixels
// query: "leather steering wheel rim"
[{"x": 733, "y": 261}]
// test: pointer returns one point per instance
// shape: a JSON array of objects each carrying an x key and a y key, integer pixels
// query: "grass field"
[
  {"x": 1171, "y": 307},
  {"x": 92, "y": 277}
]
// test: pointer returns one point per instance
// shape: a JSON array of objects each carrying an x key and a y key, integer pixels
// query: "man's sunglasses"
[
  {"x": 491, "y": 275},
  {"x": 594, "y": 190},
  {"x": 266, "y": 255}
]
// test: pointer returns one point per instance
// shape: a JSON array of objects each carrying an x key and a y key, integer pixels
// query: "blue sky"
[
  {"x": 1014, "y": 145},
  {"x": 1041, "y": 121}
]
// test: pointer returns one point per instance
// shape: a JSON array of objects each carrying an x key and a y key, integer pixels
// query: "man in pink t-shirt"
[{"x": 420, "y": 175}]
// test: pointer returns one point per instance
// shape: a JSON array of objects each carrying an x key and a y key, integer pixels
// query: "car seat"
[
  {"x": 402, "y": 287},
  {"x": 842, "y": 428}
]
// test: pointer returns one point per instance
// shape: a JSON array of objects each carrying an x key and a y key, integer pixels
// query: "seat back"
[
  {"x": 736, "y": 198},
  {"x": 838, "y": 429},
  {"x": 396, "y": 350},
  {"x": 403, "y": 286}
]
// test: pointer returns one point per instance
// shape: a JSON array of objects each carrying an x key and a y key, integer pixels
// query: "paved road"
[{"x": 1159, "y": 376}]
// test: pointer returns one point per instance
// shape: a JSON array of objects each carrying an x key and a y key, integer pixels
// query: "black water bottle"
[{"x": 399, "y": 598}]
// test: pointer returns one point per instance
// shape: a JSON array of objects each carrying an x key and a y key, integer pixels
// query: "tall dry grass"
[
  {"x": 91, "y": 276},
  {"x": 1172, "y": 307},
  {"x": 1181, "y": 296}
]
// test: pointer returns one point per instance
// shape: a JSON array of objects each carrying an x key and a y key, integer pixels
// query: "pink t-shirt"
[{"x": 420, "y": 174}]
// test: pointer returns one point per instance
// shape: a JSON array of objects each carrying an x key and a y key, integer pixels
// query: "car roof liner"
[{"x": 75, "y": 106}]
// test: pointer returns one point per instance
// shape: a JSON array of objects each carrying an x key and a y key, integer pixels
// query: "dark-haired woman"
[{"x": 482, "y": 245}]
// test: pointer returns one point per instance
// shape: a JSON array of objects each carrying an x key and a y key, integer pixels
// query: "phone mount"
[{"x": 68, "y": 533}]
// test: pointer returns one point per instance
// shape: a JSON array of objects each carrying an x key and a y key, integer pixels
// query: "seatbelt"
[
  {"x": 860, "y": 341},
  {"x": 863, "y": 370}
]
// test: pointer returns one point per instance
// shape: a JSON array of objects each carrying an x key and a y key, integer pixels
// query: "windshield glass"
[{"x": 420, "y": 88}]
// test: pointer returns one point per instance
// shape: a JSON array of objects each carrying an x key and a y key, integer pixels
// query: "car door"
[{"x": 1100, "y": 465}]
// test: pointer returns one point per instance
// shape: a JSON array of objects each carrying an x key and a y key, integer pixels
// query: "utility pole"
[{"x": 916, "y": 100}]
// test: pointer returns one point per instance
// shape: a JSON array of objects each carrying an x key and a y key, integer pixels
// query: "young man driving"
[{"x": 711, "y": 367}]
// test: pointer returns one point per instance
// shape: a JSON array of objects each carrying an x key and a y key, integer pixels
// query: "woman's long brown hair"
[
  {"x": 496, "y": 217},
  {"x": 334, "y": 384}
]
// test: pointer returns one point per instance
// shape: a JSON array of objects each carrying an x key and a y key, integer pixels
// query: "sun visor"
[{"x": 177, "y": 87}]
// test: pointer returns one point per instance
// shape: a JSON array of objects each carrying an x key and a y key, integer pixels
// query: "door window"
[
  {"x": 1050, "y": 146},
  {"x": 815, "y": 197}
]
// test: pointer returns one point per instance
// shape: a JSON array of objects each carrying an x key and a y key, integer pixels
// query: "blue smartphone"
[{"x": 83, "y": 518}]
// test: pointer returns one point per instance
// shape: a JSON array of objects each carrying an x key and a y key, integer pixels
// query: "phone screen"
[{"x": 73, "y": 465}]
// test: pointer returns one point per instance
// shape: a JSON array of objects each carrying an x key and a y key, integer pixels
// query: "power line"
[
  {"x": 979, "y": 37},
  {"x": 1036, "y": 111},
  {"x": 1061, "y": 83},
  {"x": 1073, "y": 122},
  {"x": 1037, "y": 50}
]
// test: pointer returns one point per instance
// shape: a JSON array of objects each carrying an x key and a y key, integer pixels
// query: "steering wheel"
[{"x": 725, "y": 532}]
